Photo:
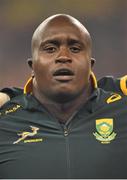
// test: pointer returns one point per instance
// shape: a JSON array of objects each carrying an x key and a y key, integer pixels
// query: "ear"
[
  {"x": 30, "y": 62},
  {"x": 92, "y": 62}
]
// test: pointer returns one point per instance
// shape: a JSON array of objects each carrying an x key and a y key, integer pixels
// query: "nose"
[{"x": 63, "y": 56}]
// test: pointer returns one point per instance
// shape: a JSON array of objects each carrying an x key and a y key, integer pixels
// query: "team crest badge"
[
  {"x": 28, "y": 134},
  {"x": 104, "y": 132}
]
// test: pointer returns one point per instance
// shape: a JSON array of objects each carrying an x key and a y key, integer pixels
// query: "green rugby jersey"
[{"x": 92, "y": 143}]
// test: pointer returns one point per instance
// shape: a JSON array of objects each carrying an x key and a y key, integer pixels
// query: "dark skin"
[{"x": 61, "y": 65}]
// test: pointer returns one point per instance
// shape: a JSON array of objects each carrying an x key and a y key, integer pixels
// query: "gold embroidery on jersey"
[
  {"x": 104, "y": 129},
  {"x": 113, "y": 98},
  {"x": 25, "y": 134},
  {"x": 12, "y": 109},
  {"x": 33, "y": 140}
]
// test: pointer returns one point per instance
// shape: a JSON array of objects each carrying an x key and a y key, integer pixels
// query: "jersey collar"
[
  {"x": 28, "y": 86},
  {"x": 31, "y": 103}
]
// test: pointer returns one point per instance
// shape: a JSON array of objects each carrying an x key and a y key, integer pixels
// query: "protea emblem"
[{"x": 104, "y": 132}]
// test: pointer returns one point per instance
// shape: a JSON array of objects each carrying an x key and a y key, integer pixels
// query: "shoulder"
[
  {"x": 12, "y": 106},
  {"x": 12, "y": 92},
  {"x": 20, "y": 105},
  {"x": 110, "y": 83}
]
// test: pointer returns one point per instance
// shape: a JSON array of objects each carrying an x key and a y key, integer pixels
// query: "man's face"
[{"x": 62, "y": 66}]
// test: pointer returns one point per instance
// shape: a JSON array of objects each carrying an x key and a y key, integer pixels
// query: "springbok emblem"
[{"x": 24, "y": 135}]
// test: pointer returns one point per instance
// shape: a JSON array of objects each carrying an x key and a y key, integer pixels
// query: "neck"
[{"x": 63, "y": 111}]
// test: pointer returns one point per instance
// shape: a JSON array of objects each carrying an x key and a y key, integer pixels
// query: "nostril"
[{"x": 63, "y": 60}]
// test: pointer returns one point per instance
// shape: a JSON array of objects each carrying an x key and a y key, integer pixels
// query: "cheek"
[
  {"x": 84, "y": 68},
  {"x": 83, "y": 74},
  {"x": 40, "y": 65},
  {"x": 40, "y": 70}
]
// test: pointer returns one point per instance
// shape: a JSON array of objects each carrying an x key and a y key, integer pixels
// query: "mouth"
[{"x": 63, "y": 75}]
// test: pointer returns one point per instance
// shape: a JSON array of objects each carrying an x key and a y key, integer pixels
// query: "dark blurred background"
[{"x": 106, "y": 20}]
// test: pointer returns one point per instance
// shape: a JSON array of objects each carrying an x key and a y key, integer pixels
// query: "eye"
[
  {"x": 50, "y": 49},
  {"x": 75, "y": 49}
]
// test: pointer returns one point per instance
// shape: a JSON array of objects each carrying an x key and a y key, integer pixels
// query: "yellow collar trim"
[
  {"x": 94, "y": 80},
  {"x": 28, "y": 86},
  {"x": 123, "y": 84}
]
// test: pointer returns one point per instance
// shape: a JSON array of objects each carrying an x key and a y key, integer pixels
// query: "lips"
[
  {"x": 63, "y": 72},
  {"x": 63, "y": 75}
]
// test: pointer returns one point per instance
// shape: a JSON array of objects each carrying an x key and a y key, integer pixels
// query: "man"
[{"x": 63, "y": 126}]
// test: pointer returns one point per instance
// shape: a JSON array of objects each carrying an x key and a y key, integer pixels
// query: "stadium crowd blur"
[{"x": 106, "y": 20}]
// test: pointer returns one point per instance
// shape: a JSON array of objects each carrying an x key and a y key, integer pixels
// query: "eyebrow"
[
  {"x": 50, "y": 41},
  {"x": 74, "y": 41},
  {"x": 55, "y": 41}
]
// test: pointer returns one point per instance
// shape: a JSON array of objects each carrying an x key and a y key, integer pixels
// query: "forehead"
[{"x": 62, "y": 30}]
